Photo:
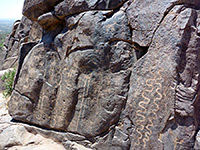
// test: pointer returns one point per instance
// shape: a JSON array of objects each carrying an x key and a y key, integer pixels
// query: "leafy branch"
[{"x": 8, "y": 79}]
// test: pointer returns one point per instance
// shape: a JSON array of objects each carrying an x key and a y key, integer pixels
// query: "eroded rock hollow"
[{"x": 123, "y": 74}]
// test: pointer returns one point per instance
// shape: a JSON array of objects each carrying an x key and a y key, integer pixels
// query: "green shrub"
[
  {"x": 1, "y": 45},
  {"x": 8, "y": 79},
  {"x": 2, "y": 39}
]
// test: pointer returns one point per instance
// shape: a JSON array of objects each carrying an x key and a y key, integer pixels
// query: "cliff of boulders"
[
  {"x": 24, "y": 32},
  {"x": 106, "y": 74}
]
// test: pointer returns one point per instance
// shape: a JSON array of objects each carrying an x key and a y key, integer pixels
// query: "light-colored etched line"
[
  {"x": 143, "y": 104},
  {"x": 176, "y": 140},
  {"x": 149, "y": 132},
  {"x": 55, "y": 112},
  {"x": 149, "y": 125},
  {"x": 139, "y": 130},
  {"x": 154, "y": 111},
  {"x": 146, "y": 100},
  {"x": 85, "y": 101},
  {"x": 40, "y": 103},
  {"x": 45, "y": 81},
  {"x": 82, "y": 99}
]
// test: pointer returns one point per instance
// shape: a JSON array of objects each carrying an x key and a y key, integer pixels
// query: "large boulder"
[
  {"x": 34, "y": 8},
  {"x": 121, "y": 74},
  {"x": 163, "y": 98},
  {"x": 70, "y": 7},
  {"x": 20, "y": 138},
  {"x": 82, "y": 89}
]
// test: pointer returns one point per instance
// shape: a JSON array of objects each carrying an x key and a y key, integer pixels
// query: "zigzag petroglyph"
[{"x": 153, "y": 85}]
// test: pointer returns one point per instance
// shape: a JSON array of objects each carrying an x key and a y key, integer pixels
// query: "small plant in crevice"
[{"x": 8, "y": 79}]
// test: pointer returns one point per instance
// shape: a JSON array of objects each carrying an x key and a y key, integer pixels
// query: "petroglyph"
[
  {"x": 176, "y": 139},
  {"x": 83, "y": 99},
  {"x": 46, "y": 101},
  {"x": 148, "y": 108},
  {"x": 110, "y": 27}
]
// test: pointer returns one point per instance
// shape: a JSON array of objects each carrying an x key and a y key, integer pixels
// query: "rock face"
[
  {"x": 121, "y": 74},
  {"x": 24, "y": 31},
  {"x": 163, "y": 101},
  {"x": 19, "y": 136}
]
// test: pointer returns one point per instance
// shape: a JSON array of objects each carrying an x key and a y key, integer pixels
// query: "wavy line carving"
[
  {"x": 142, "y": 104},
  {"x": 151, "y": 83},
  {"x": 176, "y": 139}
]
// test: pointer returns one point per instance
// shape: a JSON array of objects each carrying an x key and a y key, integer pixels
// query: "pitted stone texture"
[
  {"x": 145, "y": 16},
  {"x": 162, "y": 101},
  {"x": 91, "y": 34},
  {"x": 81, "y": 88}
]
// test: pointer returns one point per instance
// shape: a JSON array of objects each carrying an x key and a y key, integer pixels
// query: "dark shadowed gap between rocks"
[
  {"x": 140, "y": 50},
  {"x": 24, "y": 50}
]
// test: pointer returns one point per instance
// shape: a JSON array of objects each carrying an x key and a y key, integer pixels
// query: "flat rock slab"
[
  {"x": 82, "y": 88},
  {"x": 16, "y": 137}
]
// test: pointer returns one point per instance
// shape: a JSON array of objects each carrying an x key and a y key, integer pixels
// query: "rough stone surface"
[
  {"x": 23, "y": 31},
  {"x": 111, "y": 75},
  {"x": 34, "y": 8},
  {"x": 164, "y": 84},
  {"x": 16, "y": 137},
  {"x": 72, "y": 84},
  {"x": 197, "y": 142},
  {"x": 20, "y": 136},
  {"x": 70, "y": 7}
]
